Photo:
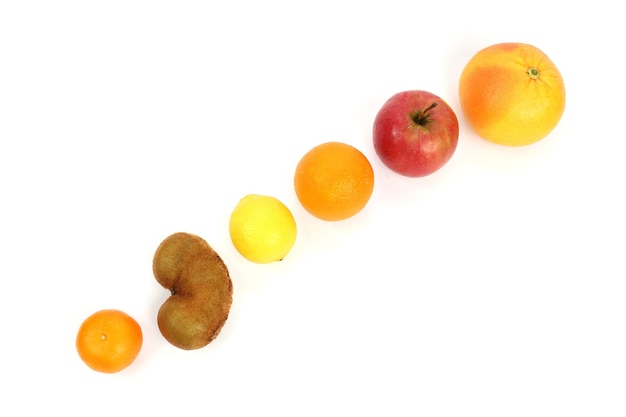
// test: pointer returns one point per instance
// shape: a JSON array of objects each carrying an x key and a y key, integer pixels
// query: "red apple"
[{"x": 415, "y": 133}]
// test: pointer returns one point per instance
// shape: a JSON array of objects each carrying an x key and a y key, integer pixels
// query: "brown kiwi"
[{"x": 201, "y": 291}]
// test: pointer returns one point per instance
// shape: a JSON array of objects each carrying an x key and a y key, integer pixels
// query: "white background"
[{"x": 494, "y": 287}]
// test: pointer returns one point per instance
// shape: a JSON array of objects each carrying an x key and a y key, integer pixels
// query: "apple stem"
[
  {"x": 421, "y": 117},
  {"x": 429, "y": 108}
]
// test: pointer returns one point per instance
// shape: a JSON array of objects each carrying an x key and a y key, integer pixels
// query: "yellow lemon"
[{"x": 262, "y": 228}]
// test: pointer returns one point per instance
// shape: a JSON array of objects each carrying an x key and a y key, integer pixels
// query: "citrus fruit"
[
  {"x": 512, "y": 94},
  {"x": 334, "y": 181},
  {"x": 262, "y": 228},
  {"x": 109, "y": 340}
]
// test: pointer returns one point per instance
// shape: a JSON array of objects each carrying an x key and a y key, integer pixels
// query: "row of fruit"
[{"x": 510, "y": 93}]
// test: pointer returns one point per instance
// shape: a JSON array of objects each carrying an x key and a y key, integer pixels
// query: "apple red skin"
[{"x": 409, "y": 148}]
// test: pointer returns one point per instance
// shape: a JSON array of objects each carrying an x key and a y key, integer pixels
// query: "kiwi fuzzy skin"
[{"x": 201, "y": 291}]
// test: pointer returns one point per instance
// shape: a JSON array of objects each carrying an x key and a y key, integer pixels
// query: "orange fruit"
[
  {"x": 512, "y": 94},
  {"x": 334, "y": 181},
  {"x": 109, "y": 340}
]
